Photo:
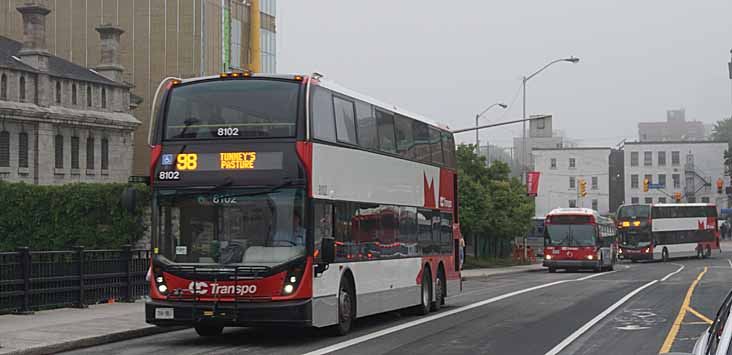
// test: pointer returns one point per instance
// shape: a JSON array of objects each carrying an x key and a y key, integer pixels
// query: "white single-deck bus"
[{"x": 288, "y": 200}]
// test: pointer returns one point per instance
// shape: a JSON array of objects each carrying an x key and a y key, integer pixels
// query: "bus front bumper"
[
  {"x": 188, "y": 313},
  {"x": 635, "y": 255},
  {"x": 571, "y": 264}
]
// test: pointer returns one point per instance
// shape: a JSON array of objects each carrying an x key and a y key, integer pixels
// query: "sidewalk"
[
  {"x": 64, "y": 329},
  {"x": 480, "y": 273}
]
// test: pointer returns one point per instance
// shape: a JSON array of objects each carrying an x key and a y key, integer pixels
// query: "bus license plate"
[{"x": 163, "y": 313}]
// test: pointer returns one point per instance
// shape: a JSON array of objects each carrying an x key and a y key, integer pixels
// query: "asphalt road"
[{"x": 629, "y": 311}]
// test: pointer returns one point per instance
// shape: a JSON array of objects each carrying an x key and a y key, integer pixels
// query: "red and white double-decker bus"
[
  {"x": 288, "y": 200},
  {"x": 663, "y": 231},
  {"x": 579, "y": 238}
]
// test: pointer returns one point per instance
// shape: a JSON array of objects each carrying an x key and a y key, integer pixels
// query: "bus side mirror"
[
  {"x": 327, "y": 250},
  {"x": 129, "y": 199}
]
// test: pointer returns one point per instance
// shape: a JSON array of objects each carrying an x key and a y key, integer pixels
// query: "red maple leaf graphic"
[{"x": 429, "y": 192}]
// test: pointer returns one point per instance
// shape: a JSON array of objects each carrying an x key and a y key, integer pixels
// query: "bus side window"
[
  {"x": 322, "y": 116},
  {"x": 424, "y": 224},
  {"x": 322, "y": 221},
  {"x": 446, "y": 242}
]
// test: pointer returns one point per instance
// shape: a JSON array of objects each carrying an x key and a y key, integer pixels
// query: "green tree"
[
  {"x": 494, "y": 207},
  {"x": 722, "y": 130}
]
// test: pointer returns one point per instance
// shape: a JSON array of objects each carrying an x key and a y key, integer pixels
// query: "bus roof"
[
  {"x": 573, "y": 211},
  {"x": 684, "y": 205},
  {"x": 332, "y": 85}
]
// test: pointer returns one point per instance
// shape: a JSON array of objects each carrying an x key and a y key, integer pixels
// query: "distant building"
[
  {"x": 676, "y": 128},
  {"x": 690, "y": 168},
  {"x": 182, "y": 38},
  {"x": 561, "y": 171},
  {"x": 61, "y": 122},
  {"x": 540, "y": 136}
]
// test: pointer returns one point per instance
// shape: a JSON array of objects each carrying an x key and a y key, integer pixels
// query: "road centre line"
[
  {"x": 673, "y": 273},
  {"x": 396, "y": 328},
  {"x": 674, "y": 331},
  {"x": 572, "y": 337}
]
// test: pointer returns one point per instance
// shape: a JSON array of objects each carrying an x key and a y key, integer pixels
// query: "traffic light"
[
  {"x": 583, "y": 187},
  {"x": 645, "y": 185},
  {"x": 720, "y": 185},
  {"x": 677, "y": 197}
]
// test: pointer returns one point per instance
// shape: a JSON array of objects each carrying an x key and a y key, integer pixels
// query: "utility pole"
[{"x": 729, "y": 134}]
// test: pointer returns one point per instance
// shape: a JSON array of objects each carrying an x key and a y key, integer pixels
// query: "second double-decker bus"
[
  {"x": 663, "y": 231},
  {"x": 579, "y": 238},
  {"x": 289, "y": 200}
]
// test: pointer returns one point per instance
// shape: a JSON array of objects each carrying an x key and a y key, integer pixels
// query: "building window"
[
  {"x": 594, "y": 183},
  {"x": 88, "y": 96},
  {"x": 691, "y": 199},
  {"x": 705, "y": 200},
  {"x": 4, "y": 149},
  {"x": 553, "y": 163},
  {"x": 649, "y": 200},
  {"x": 540, "y": 123},
  {"x": 74, "y": 152},
  {"x": 634, "y": 181},
  {"x": 572, "y": 163},
  {"x": 649, "y": 178},
  {"x": 633, "y": 158},
  {"x": 23, "y": 150},
  {"x": 675, "y": 159},
  {"x": 661, "y": 158},
  {"x": 90, "y": 153},
  {"x": 21, "y": 88},
  {"x": 58, "y": 92},
  {"x": 661, "y": 200},
  {"x": 572, "y": 203},
  {"x": 677, "y": 180},
  {"x": 4, "y": 87},
  {"x": 572, "y": 184},
  {"x": 662, "y": 180},
  {"x": 647, "y": 158},
  {"x": 634, "y": 200},
  {"x": 73, "y": 94},
  {"x": 594, "y": 204},
  {"x": 59, "y": 150},
  {"x": 104, "y": 98},
  {"x": 105, "y": 154}
]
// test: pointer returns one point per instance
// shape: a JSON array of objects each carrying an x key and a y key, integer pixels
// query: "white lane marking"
[
  {"x": 730, "y": 263},
  {"x": 380, "y": 333},
  {"x": 572, "y": 337},
  {"x": 595, "y": 275},
  {"x": 673, "y": 273}
]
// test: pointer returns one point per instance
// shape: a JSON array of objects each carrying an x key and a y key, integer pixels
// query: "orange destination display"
[{"x": 237, "y": 160}]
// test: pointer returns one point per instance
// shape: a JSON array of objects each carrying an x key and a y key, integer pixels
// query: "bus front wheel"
[
  {"x": 664, "y": 255},
  {"x": 346, "y": 308},
  {"x": 426, "y": 294}
]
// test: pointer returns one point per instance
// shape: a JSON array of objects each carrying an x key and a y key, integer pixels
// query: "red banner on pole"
[{"x": 532, "y": 183}]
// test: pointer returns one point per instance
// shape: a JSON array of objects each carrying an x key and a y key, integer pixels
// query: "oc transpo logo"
[{"x": 204, "y": 288}]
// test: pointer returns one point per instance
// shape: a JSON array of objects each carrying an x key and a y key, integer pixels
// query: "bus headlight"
[
  {"x": 292, "y": 280},
  {"x": 163, "y": 289},
  {"x": 160, "y": 285},
  {"x": 548, "y": 257},
  {"x": 590, "y": 257},
  {"x": 288, "y": 289}
]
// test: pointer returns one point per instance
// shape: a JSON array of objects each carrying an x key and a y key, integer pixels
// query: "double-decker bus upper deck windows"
[
  {"x": 345, "y": 120},
  {"x": 385, "y": 124},
  {"x": 421, "y": 142},
  {"x": 366, "y": 129},
  {"x": 436, "y": 146},
  {"x": 404, "y": 137},
  {"x": 232, "y": 109},
  {"x": 322, "y": 114},
  {"x": 448, "y": 145}
]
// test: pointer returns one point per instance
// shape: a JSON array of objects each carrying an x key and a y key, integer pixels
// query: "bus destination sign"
[
  {"x": 238, "y": 160},
  {"x": 226, "y": 161}
]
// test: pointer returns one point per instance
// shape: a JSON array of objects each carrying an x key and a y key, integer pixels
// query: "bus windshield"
[
  {"x": 236, "y": 227},
  {"x": 634, "y": 211},
  {"x": 233, "y": 108},
  {"x": 580, "y": 235}
]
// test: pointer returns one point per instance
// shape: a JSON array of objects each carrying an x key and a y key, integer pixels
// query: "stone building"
[{"x": 61, "y": 122}]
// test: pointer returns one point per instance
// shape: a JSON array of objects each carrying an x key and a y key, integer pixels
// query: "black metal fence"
[{"x": 33, "y": 280}]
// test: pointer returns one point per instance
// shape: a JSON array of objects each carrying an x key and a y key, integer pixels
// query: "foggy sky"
[{"x": 448, "y": 60}]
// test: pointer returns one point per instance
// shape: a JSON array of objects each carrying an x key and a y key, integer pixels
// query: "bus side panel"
[{"x": 381, "y": 286}]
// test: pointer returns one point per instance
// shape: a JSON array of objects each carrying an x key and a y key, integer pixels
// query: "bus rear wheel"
[
  {"x": 439, "y": 291},
  {"x": 708, "y": 252},
  {"x": 209, "y": 330}
]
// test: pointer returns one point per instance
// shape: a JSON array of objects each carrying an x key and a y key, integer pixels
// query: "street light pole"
[
  {"x": 477, "y": 117},
  {"x": 523, "y": 85}
]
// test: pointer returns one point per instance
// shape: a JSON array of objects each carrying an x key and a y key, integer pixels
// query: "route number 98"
[{"x": 187, "y": 161}]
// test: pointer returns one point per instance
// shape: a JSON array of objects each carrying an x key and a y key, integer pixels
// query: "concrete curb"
[
  {"x": 503, "y": 272},
  {"x": 92, "y": 341}
]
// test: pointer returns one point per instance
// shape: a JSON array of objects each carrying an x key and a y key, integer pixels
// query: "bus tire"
[
  {"x": 552, "y": 270},
  {"x": 664, "y": 255},
  {"x": 346, "y": 308},
  {"x": 426, "y": 293},
  {"x": 708, "y": 252},
  {"x": 439, "y": 291},
  {"x": 209, "y": 330},
  {"x": 700, "y": 252}
]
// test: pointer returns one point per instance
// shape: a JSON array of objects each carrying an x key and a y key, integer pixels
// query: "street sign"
[{"x": 656, "y": 186}]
